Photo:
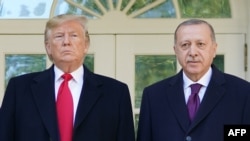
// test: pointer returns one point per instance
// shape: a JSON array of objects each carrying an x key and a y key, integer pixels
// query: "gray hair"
[{"x": 195, "y": 22}]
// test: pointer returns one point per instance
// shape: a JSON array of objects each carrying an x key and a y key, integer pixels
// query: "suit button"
[{"x": 188, "y": 138}]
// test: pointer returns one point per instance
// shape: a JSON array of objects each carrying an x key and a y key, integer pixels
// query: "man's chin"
[{"x": 193, "y": 70}]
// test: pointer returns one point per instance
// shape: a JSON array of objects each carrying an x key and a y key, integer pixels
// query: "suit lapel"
[
  {"x": 89, "y": 96},
  {"x": 214, "y": 93},
  {"x": 44, "y": 96},
  {"x": 177, "y": 101}
]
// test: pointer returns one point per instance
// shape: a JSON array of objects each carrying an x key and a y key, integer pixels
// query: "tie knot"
[
  {"x": 67, "y": 76},
  {"x": 195, "y": 88}
]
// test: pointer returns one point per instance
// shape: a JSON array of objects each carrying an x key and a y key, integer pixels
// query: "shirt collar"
[
  {"x": 77, "y": 74},
  {"x": 204, "y": 79}
]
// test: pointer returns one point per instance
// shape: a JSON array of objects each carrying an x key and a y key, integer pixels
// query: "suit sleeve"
[
  {"x": 126, "y": 130},
  {"x": 144, "y": 126},
  {"x": 7, "y": 113},
  {"x": 246, "y": 117}
]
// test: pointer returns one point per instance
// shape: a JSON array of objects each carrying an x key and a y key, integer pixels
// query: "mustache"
[{"x": 191, "y": 59}]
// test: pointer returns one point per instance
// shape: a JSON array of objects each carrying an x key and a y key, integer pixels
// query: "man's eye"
[
  {"x": 74, "y": 35},
  {"x": 186, "y": 45},
  {"x": 58, "y": 36},
  {"x": 201, "y": 44}
]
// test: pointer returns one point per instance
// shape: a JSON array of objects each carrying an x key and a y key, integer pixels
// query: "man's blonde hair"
[{"x": 59, "y": 19}]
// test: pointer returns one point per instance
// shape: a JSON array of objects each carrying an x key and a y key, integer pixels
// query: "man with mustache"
[{"x": 169, "y": 112}]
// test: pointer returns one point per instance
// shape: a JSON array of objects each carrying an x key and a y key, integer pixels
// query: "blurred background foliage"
[
  {"x": 219, "y": 62},
  {"x": 204, "y": 8},
  {"x": 89, "y": 62},
  {"x": 166, "y": 9},
  {"x": 149, "y": 69},
  {"x": 18, "y": 64}
]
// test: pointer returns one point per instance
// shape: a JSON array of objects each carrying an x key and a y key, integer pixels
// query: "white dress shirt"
[
  {"x": 75, "y": 84},
  {"x": 203, "y": 81}
]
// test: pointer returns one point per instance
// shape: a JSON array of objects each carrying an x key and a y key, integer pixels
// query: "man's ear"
[
  {"x": 47, "y": 47},
  {"x": 215, "y": 49}
]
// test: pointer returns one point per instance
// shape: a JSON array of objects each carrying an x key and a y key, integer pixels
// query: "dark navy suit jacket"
[
  {"x": 164, "y": 115},
  {"x": 28, "y": 111}
]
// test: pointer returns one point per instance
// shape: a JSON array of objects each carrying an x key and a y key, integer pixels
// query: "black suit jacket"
[
  {"x": 164, "y": 115},
  {"x": 28, "y": 111}
]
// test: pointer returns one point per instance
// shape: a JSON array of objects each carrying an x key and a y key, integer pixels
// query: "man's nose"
[
  {"x": 193, "y": 50},
  {"x": 66, "y": 40}
]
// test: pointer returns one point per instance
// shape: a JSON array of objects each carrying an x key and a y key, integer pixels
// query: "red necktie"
[
  {"x": 64, "y": 107},
  {"x": 193, "y": 100}
]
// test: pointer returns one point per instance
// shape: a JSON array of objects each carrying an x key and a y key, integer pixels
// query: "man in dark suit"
[
  {"x": 102, "y": 108},
  {"x": 223, "y": 99}
]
